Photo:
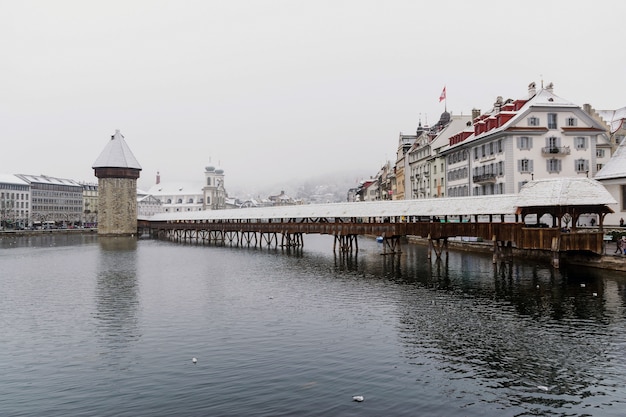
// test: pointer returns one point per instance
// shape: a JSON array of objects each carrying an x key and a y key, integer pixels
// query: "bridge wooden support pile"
[
  {"x": 502, "y": 250},
  {"x": 391, "y": 245},
  {"x": 437, "y": 245},
  {"x": 232, "y": 238},
  {"x": 346, "y": 243},
  {"x": 292, "y": 240}
]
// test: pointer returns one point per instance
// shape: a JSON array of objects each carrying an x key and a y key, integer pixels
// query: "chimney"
[
  {"x": 475, "y": 114},
  {"x": 532, "y": 89},
  {"x": 550, "y": 88},
  {"x": 158, "y": 178},
  {"x": 498, "y": 104}
]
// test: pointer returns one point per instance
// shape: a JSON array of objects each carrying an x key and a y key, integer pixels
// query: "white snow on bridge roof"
[
  {"x": 562, "y": 191},
  {"x": 498, "y": 204}
]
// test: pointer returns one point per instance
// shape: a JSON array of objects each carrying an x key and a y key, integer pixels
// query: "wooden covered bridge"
[{"x": 542, "y": 217}]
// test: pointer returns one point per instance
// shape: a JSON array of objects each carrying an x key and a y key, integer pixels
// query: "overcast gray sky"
[{"x": 279, "y": 89}]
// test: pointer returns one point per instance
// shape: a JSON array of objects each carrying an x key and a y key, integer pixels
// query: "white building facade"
[
  {"x": 14, "y": 202},
  {"x": 543, "y": 136},
  {"x": 184, "y": 196}
]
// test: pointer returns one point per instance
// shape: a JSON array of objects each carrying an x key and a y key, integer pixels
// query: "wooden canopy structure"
[{"x": 565, "y": 199}]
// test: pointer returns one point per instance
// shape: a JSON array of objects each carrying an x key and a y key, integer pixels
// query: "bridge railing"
[{"x": 523, "y": 237}]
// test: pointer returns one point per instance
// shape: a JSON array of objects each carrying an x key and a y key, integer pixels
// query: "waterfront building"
[
  {"x": 117, "y": 170},
  {"x": 90, "y": 204},
  {"x": 427, "y": 169},
  {"x": 613, "y": 177},
  {"x": 614, "y": 122},
  {"x": 54, "y": 201},
  {"x": 182, "y": 196},
  {"x": 148, "y": 205},
  {"x": 403, "y": 183},
  {"x": 542, "y": 136},
  {"x": 401, "y": 174},
  {"x": 14, "y": 202},
  {"x": 452, "y": 168},
  {"x": 178, "y": 196}
]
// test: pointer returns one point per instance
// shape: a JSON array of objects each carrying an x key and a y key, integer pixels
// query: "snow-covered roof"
[
  {"x": 544, "y": 98},
  {"x": 498, "y": 204},
  {"x": 614, "y": 167},
  {"x": 614, "y": 118},
  {"x": 116, "y": 154},
  {"x": 176, "y": 188},
  {"x": 45, "y": 179},
  {"x": 457, "y": 124},
  {"x": 564, "y": 192},
  {"x": 11, "y": 179}
]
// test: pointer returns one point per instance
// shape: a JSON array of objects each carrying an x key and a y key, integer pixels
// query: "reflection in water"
[
  {"x": 45, "y": 240},
  {"x": 293, "y": 332},
  {"x": 116, "y": 291},
  {"x": 528, "y": 329}
]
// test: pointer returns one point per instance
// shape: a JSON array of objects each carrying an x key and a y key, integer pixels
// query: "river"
[{"x": 109, "y": 326}]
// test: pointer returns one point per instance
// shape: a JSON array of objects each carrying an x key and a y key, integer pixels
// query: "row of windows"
[
  {"x": 37, "y": 201},
  {"x": 554, "y": 142},
  {"x": 15, "y": 187},
  {"x": 57, "y": 208},
  {"x": 189, "y": 201},
  {"x": 486, "y": 149},
  {"x": 458, "y": 156},
  {"x": 54, "y": 187},
  {"x": 10, "y": 205},
  {"x": 460, "y": 191},
  {"x": 552, "y": 121},
  {"x": 489, "y": 189},
  {"x": 553, "y": 165},
  {"x": 457, "y": 174},
  {"x": 13, "y": 196},
  {"x": 16, "y": 213},
  {"x": 37, "y": 193},
  {"x": 496, "y": 168}
]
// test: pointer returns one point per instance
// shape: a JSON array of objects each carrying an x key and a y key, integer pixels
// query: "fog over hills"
[{"x": 330, "y": 187}]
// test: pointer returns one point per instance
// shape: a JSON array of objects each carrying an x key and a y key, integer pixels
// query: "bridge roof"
[
  {"x": 496, "y": 204},
  {"x": 571, "y": 192}
]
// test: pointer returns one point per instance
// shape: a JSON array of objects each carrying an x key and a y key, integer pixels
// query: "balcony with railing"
[
  {"x": 555, "y": 150},
  {"x": 484, "y": 178}
]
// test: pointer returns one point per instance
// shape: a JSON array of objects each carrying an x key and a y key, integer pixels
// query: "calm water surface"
[{"x": 108, "y": 327}]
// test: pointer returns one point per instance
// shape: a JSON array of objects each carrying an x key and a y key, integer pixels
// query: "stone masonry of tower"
[
  {"x": 117, "y": 206},
  {"x": 117, "y": 171}
]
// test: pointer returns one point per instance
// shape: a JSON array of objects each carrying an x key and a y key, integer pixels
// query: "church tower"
[
  {"x": 117, "y": 171},
  {"x": 214, "y": 193}
]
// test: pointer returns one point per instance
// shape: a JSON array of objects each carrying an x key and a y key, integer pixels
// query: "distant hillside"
[{"x": 323, "y": 188}]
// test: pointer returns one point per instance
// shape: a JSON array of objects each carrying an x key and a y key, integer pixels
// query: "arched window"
[
  {"x": 169, "y": 201},
  {"x": 180, "y": 201},
  {"x": 208, "y": 181},
  {"x": 208, "y": 200},
  {"x": 190, "y": 201}
]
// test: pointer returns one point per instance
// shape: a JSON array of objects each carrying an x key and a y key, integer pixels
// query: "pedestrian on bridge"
[{"x": 620, "y": 245}]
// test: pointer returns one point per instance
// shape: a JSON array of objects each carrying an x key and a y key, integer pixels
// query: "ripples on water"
[{"x": 108, "y": 327}]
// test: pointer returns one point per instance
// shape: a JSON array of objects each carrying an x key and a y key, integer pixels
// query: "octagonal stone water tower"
[{"x": 117, "y": 171}]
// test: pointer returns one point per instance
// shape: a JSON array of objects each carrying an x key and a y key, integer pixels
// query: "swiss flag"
[{"x": 442, "y": 97}]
